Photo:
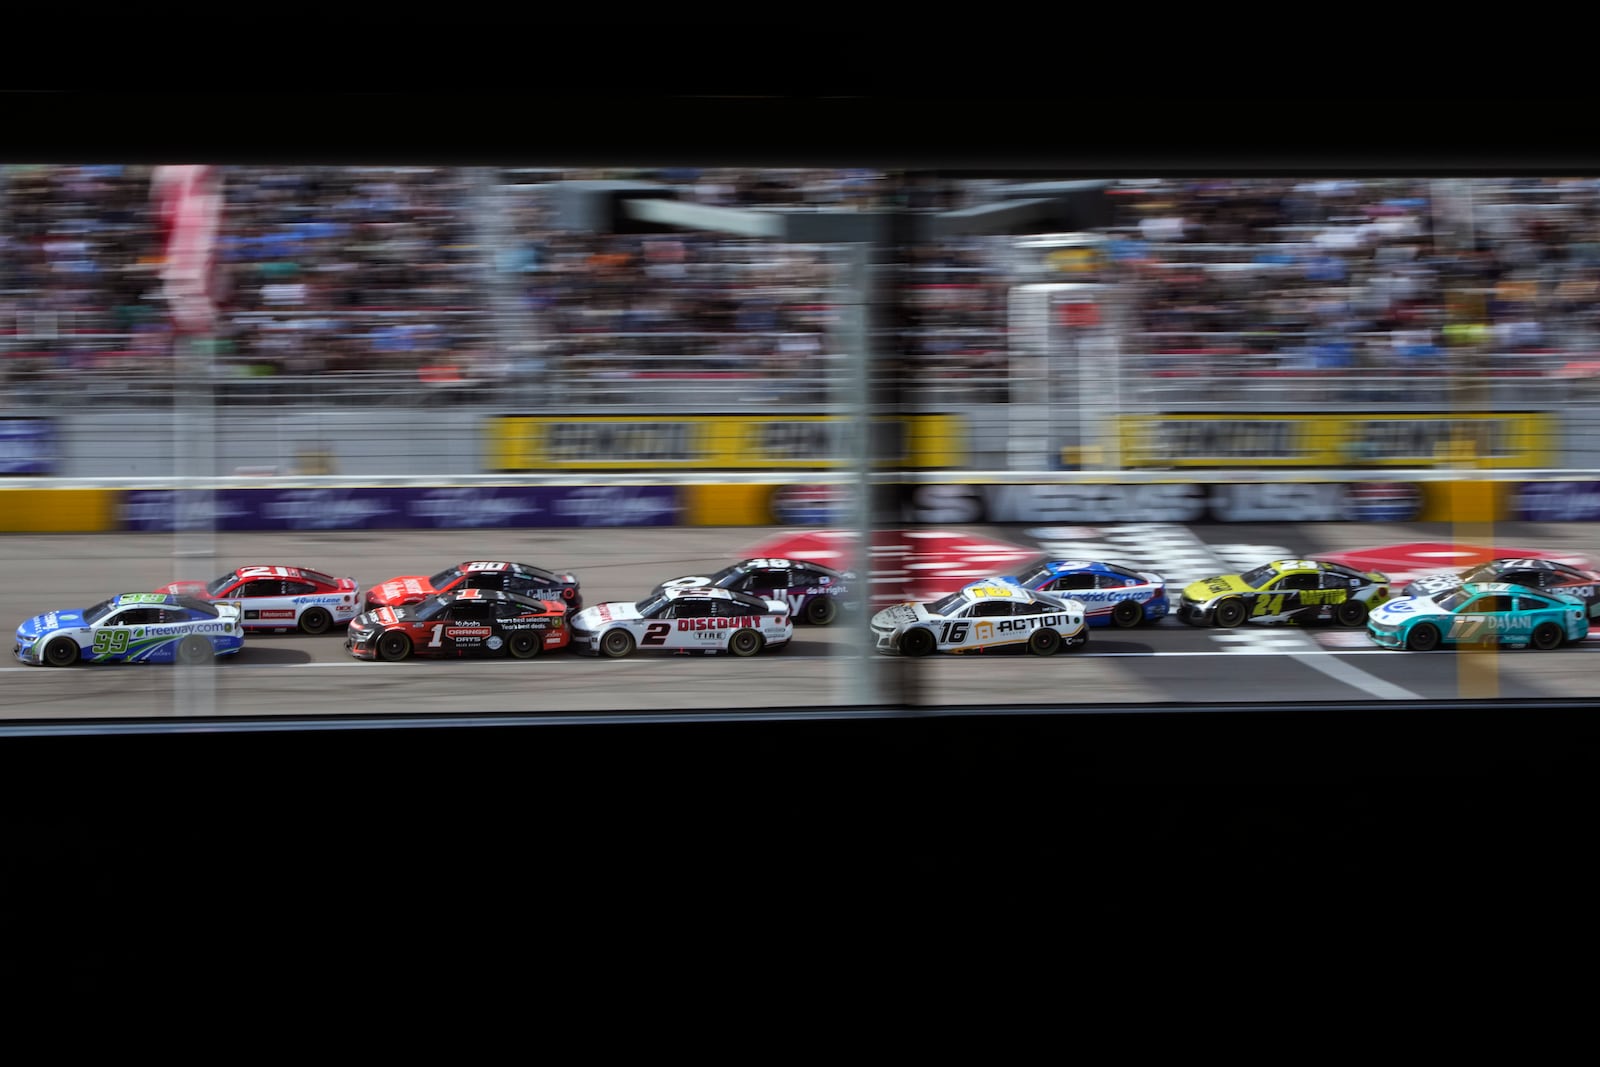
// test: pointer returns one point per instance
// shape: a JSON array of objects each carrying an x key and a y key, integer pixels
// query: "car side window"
[
  {"x": 263, "y": 587},
  {"x": 990, "y": 609},
  {"x": 485, "y": 580},
  {"x": 1528, "y": 603},
  {"x": 291, "y": 588},
  {"x": 1075, "y": 581},
  {"x": 1298, "y": 581}
]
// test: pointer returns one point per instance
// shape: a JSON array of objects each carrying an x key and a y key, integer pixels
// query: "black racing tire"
[
  {"x": 1547, "y": 635},
  {"x": 195, "y": 650},
  {"x": 1424, "y": 637},
  {"x": 745, "y": 643},
  {"x": 524, "y": 644},
  {"x": 821, "y": 610},
  {"x": 315, "y": 621},
  {"x": 616, "y": 644},
  {"x": 62, "y": 652},
  {"x": 917, "y": 642},
  {"x": 1351, "y": 613},
  {"x": 1045, "y": 641},
  {"x": 1127, "y": 614},
  {"x": 393, "y": 646},
  {"x": 1230, "y": 613}
]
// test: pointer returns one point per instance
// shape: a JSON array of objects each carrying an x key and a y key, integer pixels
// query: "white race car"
[
  {"x": 986, "y": 616},
  {"x": 703, "y": 620}
]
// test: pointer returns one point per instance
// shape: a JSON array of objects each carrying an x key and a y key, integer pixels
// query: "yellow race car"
[{"x": 1285, "y": 591}]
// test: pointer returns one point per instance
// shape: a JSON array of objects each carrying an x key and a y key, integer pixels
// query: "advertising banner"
[
  {"x": 1162, "y": 502},
  {"x": 716, "y": 442},
  {"x": 27, "y": 446},
  {"x": 1223, "y": 439},
  {"x": 163, "y": 510},
  {"x": 1557, "y": 501}
]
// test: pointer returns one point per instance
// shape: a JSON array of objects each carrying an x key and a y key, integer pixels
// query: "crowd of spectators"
[{"x": 438, "y": 272}]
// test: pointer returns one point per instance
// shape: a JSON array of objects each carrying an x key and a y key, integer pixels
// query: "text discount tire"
[
  {"x": 1044, "y": 642},
  {"x": 1423, "y": 637},
  {"x": 744, "y": 643},
  {"x": 820, "y": 610},
  {"x": 194, "y": 650},
  {"x": 616, "y": 644},
  {"x": 315, "y": 621},
  {"x": 1127, "y": 613},
  {"x": 394, "y": 646},
  {"x": 1230, "y": 613},
  {"x": 917, "y": 642},
  {"x": 1548, "y": 635},
  {"x": 524, "y": 644},
  {"x": 61, "y": 652}
]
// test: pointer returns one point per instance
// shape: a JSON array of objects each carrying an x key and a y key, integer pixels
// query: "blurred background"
[{"x": 373, "y": 317}]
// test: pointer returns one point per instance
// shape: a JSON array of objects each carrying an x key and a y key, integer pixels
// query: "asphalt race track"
[{"x": 825, "y": 669}]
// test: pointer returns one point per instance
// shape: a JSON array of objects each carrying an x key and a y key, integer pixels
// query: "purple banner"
[
  {"x": 1558, "y": 501},
  {"x": 27, "y": 446},
  {"x": 166, "y": 510}
]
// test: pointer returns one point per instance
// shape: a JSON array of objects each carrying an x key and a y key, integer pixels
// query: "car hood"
[
  {"x": 599, "y": 615},
  {"x": 1398, "y": 610},
  {"x": 899, "y": 615},
  {"x": 61, "y": 619},
  {"x": 1207, "y": 588}
]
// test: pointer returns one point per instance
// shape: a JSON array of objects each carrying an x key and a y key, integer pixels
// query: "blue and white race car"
[
  {"x": 1493, "y": 613},
  {"x": 132, "y": 628},
  {"x": 1112, "y": 594}
]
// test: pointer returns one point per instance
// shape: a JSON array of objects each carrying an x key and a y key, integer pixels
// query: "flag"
[{"x": 189, "y": 202}]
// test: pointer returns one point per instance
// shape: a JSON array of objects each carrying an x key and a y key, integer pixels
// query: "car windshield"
[
  {"x": 1038, "y": 576},
  {"x": 445, "y": 577},
  {"x": 728, "y": 574},
  {"x": 1453, "y": 600},
  {"x": 947, "y": 605},
  {"x": 221, "y": 585},
  {"x": 99, "y": 611},
  {"x": 1263, "y": 574},
  {"x": 651, "y": 604},
  {"x": 1483, "y": 572}
]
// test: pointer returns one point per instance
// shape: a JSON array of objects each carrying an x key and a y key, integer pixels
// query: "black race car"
[
  {"x": 814, "y": 593},
  {"x": 469, "y": 622},
  {"x": 1546, "y": 575}
]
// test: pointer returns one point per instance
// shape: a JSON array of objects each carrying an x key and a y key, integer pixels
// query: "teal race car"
[
  {"x": 1480, "y": 614},
  {"x": 132, "y": 628}
]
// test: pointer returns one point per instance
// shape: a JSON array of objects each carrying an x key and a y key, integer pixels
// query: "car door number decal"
[
  {"x": 953, "y": 633},
  {"x": 656, "y": 633},
  {"x": 111, "y": 642}
]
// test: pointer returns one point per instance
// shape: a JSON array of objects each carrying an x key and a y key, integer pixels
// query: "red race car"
[
  {"x": 523, "y": 579},
  {"x": 281, "y": 598},
  {"x": 471, "y": 622}
]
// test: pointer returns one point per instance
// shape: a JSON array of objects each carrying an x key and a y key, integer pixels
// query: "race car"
[
  {"x": 703, "y": 620},
  {"x": 281, "y": 598},
  {"x": 1291, "y": 591},
  {"x": 815, "y": 593},
  {"x": 523, "y": 579},
  {"x": 984, "y": 616},
  {"x": 1489, "y": 613},
  {"x": 132, "y": 628},
  {"x": 1111, "y": 594},
  {"x": 466, "y": 623},
  {"x": 1544, "y": 574}
]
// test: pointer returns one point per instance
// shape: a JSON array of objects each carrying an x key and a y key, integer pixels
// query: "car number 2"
[{"x": 656, "y": 633}]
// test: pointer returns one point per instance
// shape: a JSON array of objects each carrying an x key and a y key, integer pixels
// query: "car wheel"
[
  {"x": 1548, "y": 635},
  {"x": 394, "y": 646},
  {"x": 1045, "y": 641},
  {"x": 616, "y": 643},
  {"x": 61, "y": 652},
  {"x": 315, "y": 621},
  {"x": 1351, "y": 613},
  {"x": 1424, "y": 637},
  {"x": 918, "y": 642},
  {"x": 194, "y": 650},
  {"x": 1230, "y": 613},
  {"x": 1127, "y": 613},
  {"x": 524, "y": 644},
  {"x": 744, "y": 643},
  {"x": 820, "y": 610}
]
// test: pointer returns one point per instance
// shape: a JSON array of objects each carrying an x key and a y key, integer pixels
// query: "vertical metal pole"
[
  {"x": 857, "y": 410},
  {"x": 194, "y": 550}
]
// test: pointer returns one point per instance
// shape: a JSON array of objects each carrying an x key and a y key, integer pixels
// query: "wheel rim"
[
  {"x": 820, "y": 611},
  {"x": 524, "y": 646},
  {"x": 1045, "y": 642},
  {"x": 1352, "y": 613},
  {"x": 745, "y": 643},
  {"x": 1547, "y": 636},
  {"x": 394, "y": 646},
  {"x": 1424, "y": 638},
  {"x": 618, "y": 643},
  {"x": 315, "y": 621},
  {"x": 194, "y": 650},
  {"x": 60, "y": 653},
  {"x": 1230, "y": 613},
  {"x": 1126, "y": 613},
  {"x": 917, "y": 643}
]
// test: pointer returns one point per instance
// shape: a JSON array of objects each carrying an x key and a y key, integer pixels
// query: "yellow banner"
[
  {"x": 716, "y": 442},
  {"x": 1479, "y": 440},
  {"x": 58, "y": 510}
]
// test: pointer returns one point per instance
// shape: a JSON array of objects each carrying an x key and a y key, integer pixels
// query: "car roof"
[
  {"x": 1517, "y": 590},
  {"x": 500, "y": 564},
  {"x": 257, "y": 570},
  {"x": 1070, "y": 566},
  {"x": 780, "y": 562},
  {"x": 713, "y": 592},
  {"x": 995, "y": 589}
]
